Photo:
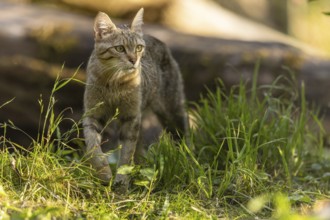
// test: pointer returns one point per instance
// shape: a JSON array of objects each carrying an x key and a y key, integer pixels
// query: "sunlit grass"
[{"x": 254, "y": 152}]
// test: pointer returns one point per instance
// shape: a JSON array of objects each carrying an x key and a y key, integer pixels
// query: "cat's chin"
[
  {"x": 132, "y": 81},
  {"x": 130, "y": 76}
]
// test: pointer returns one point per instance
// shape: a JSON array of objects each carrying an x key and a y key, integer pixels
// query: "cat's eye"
[
  {"x": 120, "y": 49},
  {"x": 138, "y": 48}
]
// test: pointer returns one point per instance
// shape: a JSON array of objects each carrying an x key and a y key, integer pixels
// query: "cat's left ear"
[{"x": 137, "y": 22}]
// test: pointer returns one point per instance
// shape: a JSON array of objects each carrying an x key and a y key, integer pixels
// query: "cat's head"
[{"x": 120, "y": 49}]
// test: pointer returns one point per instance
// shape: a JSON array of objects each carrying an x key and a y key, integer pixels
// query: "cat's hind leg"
[
  {"x": 174, "y": 118},
  {"x": 128, "y": 137}
]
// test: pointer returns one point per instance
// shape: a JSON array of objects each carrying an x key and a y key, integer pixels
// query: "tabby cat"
[{"x": 129, "y": 72}]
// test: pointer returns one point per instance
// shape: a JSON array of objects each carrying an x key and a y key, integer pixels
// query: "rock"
[{"x": 37, "y": 43}]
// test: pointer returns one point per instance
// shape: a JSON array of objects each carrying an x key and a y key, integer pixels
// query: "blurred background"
[{"x": 210, "y": 39}]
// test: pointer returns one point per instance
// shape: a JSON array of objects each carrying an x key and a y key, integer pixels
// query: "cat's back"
[
  {"x": 161, "y": 76},
  {"x": 156, "y": 50}
]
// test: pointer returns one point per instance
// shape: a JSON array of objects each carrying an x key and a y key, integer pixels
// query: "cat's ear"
[
  {"x": 103, "y": 26},
  {"x": 137, "y": 22}
]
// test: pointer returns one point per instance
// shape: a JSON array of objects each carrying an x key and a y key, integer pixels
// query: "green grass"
[{"x": 249, "y": 156}]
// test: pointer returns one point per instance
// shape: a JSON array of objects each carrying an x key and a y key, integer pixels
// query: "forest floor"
[{"x": 249, "y": 157}]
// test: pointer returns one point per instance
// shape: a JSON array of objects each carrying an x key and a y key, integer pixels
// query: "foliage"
[
  {"x": 325, "y": 12},
  {"x": 248, "y": 156}
]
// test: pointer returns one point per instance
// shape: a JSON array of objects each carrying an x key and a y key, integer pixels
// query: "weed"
[{"x": 249, "y": 156}]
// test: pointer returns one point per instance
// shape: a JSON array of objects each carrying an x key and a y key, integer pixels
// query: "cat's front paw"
[
  {"x": 121, "y": 183},
  {"x": 104, "y": 174}
]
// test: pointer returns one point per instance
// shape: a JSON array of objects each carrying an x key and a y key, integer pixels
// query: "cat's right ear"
[{"x": 103, "y": 26}]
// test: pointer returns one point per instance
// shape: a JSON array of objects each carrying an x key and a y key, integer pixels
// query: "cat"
[{"x": 129, "y": 72}]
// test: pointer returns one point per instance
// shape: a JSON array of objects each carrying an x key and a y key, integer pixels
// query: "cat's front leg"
[
  {"x": 93, "y": 150},
  {"x": 128, "y": 136}
]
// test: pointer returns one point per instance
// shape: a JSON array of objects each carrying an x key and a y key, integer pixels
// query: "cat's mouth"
[{"x": 131, "y": 70}]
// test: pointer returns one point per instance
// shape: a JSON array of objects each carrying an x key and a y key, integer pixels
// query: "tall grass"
[
  {"x": 245, "y": 144},
  {"x": 250, "y": 145},
  {"x": 44, "y": 172}
]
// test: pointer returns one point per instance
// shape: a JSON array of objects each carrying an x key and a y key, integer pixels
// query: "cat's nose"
[{"x": 132, "y": 59}]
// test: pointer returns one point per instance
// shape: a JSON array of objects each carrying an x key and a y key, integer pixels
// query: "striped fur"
[{"x": 129, "y": 72}]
